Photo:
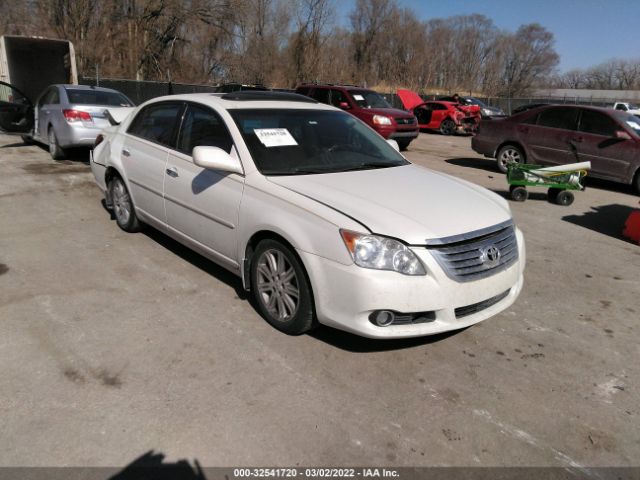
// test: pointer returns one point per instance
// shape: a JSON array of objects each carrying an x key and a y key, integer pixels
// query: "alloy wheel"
[
  {"x": 121, "y": 202},
  {"x": 278, "y": 288}
]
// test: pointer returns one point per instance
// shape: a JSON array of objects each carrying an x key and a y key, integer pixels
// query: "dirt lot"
[{"x": 113, "y": 344}]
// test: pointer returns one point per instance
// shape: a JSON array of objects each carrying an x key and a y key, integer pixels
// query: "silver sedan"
[{"x": 63, "y": 116}]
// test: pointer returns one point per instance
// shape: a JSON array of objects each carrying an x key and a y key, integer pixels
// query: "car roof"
[
  {"x": 85, "y": 87},
  {"x": 249, "y": 100}
]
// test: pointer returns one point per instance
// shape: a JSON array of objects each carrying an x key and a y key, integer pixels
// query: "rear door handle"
[
  {"x": 172, "y": 172},
  {"x": 126, "y": 152}
]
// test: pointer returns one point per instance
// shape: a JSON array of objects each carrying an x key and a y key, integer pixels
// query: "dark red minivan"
[
  {"x": 560, "y": 134},
  {"x": 370, "y": 107}
]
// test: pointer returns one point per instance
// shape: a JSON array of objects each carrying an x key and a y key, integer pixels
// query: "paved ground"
[{"x": 114, "y": 344}]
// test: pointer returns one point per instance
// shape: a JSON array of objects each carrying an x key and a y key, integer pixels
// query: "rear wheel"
[
  {"x": 564, "y": 198},
  {"x": 281, "y": 288},
  {"x": 636, "y": 183},
  {"x": 507, "y": 155},
  {"x": 55, "y": 150},
  {"x": 447, "y": 127},
  {"x": 122, "y": 205}
]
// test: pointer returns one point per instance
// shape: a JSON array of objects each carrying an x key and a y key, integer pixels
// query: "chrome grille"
[
  {"x": 405, "y": 121},
  {"x": 477, "y": 254},
  {"x": 478, "y": 307}
]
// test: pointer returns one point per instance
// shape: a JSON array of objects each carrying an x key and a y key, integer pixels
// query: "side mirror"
[
  {"x": 214, "y": 158},
  {"x": 394, "y": 144},
  {"x": 622, "y": 135},
  {"x": 344, "y": 106}
]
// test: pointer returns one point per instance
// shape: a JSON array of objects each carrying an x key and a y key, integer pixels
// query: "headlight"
[
  {"x": 381, "y": 253},
  {"x": 486, "y": 111},
  {"x": 381, "y": 120}
]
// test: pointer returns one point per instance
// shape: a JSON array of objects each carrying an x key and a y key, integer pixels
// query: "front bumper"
[{"x": 345, "y": 295}]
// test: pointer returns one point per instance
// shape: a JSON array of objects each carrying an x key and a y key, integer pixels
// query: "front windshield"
[
  {"x": 631, "y": 121},
  {"x": 369, "y": 99},
  {"x": 299, "y": 142},
  {"x": 475, "y": 101}
]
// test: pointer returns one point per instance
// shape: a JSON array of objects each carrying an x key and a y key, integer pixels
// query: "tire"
[
  {"x": 518, "y": 193},
  {"x": 55, "y": 150},
  {"x": 509, "y": 154},
  {"x": 26, "y": 139},
  {"x": 564, "y": 198},
  {"x": 403, "y": 144},
  {"x": 636, "y": 183},
  {"x": 552, "y": 194},
  {"x": 447, "y": 127},
  {"x": 122, "y": 204},
  {"x": 281, "y": 288}
]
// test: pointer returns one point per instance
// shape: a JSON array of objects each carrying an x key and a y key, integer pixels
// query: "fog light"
[{"x": 382, "y": 318}]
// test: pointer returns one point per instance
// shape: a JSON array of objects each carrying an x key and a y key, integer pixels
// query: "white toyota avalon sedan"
[{"x": 323, "y": 220}]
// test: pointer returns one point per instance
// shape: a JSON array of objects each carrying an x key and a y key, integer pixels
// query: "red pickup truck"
[{"x": 368, "y": 106}]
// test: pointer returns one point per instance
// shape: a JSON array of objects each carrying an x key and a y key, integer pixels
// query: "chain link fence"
[{"x": 141, "y": 90}]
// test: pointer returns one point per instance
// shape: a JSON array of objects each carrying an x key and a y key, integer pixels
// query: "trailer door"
[{"x": 16, "y": 111}]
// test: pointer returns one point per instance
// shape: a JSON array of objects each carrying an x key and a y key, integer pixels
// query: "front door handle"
[
  {"x": 126, "y": 152},
  {"x": 172, "y": 172},
  {"x": 577, "y": 139}
]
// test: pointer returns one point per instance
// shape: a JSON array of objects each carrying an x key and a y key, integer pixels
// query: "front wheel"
[
  {"x": 403, "y": 143},
  {"x": 507, "y": 155},
  {"x": 447, "y": 127},
  {"x": 122, "y": 205},
  {"x": 518, "y": 193},
  {"x": 281, "y": 288},
  {"x": 55, "y": 150}
]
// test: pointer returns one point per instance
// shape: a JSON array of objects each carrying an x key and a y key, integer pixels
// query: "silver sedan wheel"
[
  {"x": 277, "y": 285},
  {"x": 53, "y": 147},
  {"x": 121, "y": 202}
]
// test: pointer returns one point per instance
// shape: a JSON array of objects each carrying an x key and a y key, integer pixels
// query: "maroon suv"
[
  {"x": 560, "y": 134},
  {"x": 368, "y": 106}
]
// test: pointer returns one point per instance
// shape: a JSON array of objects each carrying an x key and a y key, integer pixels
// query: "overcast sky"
[{"x": 587, "y": 32}]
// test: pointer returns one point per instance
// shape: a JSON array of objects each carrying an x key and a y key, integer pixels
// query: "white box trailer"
[{"x": 31, "y": 64}]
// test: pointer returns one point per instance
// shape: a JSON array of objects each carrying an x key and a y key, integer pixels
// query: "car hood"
[
  {"x": 410, "y": 99},
  {"x": 389, "y": 112},
  {"x": 409, "y": 202}
]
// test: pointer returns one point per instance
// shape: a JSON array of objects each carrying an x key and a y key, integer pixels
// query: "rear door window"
[
  {"x": 157, "y": 123},
  {"x": 563, "y": 118},
  {"x": 321, "y": 95},
  {"x": 598, "y": 124},
  {"x": 203, "y": 126}
]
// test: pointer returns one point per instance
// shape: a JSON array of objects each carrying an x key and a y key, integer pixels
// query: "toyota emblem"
[{"x": 490, "y": 255}]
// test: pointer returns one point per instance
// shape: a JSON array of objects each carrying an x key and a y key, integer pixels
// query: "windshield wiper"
[{"x": 367, "y": 166}]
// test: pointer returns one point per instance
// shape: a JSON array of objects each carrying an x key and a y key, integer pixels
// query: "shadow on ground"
[
  {"x": 607, "y": 219},
  {"x": 151, "y": 466},
  {"x": 198, "y": 261},
  {"x": 354, "y": 343},
  {"x": 478, "y": 163},
  {"x": 533, "y": 195}
]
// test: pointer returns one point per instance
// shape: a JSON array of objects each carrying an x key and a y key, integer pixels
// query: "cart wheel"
[
  {"x": 552, "y": 194},
  {"x": 564, "y": 198},
  {"x": 518, "y": 193}
]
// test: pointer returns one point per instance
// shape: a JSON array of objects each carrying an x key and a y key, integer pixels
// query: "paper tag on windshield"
[
  {"x": 275, "y": 137},
  {"x": 360, "y": 98}
]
